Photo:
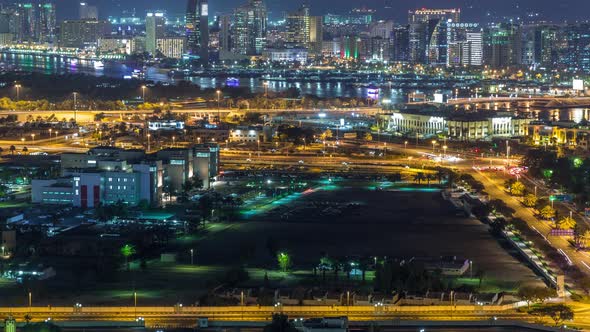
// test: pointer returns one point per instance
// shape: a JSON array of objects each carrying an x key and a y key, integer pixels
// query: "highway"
[
  {"x": 84, "y": 116},
  {"x": 179, "y": 316}
]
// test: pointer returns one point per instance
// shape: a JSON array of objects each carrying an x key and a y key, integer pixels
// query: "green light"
[{"x": 578, "y": 162}]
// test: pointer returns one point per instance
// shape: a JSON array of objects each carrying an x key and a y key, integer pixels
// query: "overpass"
[
  {"x": 492, "y": 102},
  {"x": 88, "y": 115},
  {"x": 186, "y": 316}
]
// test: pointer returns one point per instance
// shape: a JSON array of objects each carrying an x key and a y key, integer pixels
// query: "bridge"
[
  {"x": 88, "y": 115},
  {"x": 187, "y": 316},
  {"x": 504, "y": 102}
]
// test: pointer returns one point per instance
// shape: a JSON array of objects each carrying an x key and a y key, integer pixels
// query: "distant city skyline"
[{"x": 473, "y": 10}]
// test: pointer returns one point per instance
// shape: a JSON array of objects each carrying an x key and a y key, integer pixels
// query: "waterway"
[{"x": 64, "y": 65}]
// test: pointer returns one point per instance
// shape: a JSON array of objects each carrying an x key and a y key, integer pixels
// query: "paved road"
[
  {"x": 494, "y": 187},
  {"x": 187, "y": 316}
]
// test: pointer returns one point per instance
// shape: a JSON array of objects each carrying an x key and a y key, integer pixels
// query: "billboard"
[
  {"x": 578, "y": 85},
  {"x": 439, "y": 98}
]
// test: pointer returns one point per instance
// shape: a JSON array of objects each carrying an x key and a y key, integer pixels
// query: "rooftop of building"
[{"x": 456, "y": 115}]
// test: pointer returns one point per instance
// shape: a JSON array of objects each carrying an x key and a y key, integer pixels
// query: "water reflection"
[{"x": 64, "y": 65}]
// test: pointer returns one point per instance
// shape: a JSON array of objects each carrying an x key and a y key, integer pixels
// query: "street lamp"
[
  {"x": 192, "y": 257},
  {"x": 445, "y": 151},
  {"x": 173, "y": 141},
  {"x": 75, "y": 106},
  {"x": 18, "y": 86},
  {"x": 406, "y": 145},
  {"x": 433, "y": 145},
  {"x": 218, "y": 106},
  {"x": 148, "y": 137},
  {"x": 258, "y": 148},
  {"x": 33, "y": 136},
  {"x": 143, "y": 87}
]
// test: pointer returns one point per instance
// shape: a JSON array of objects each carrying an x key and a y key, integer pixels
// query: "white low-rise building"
[{"x": 467, "y": 127}]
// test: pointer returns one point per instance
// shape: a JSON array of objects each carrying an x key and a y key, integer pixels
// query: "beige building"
[
  {"x": 171, "y": 47},
  {"x": 467, "y": 127}
]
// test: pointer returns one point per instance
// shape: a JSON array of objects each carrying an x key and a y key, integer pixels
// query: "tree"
[
  {"x": 280, "y": 323},
  {"x": 579, "y": 240},
  {"x": 584, "y": 284},
  {"x": 368, "y": 137},
  {"x": 517, "y": 189},
  {"x": 531, "y": 294},
  {"x": 419, "y": 177},
  {"x": 530, "y": 200},
  {"x": 327, "y": 134},
  {"x": 585, "y": 238},
  {"x": 284, "y": 261},
  {"x": 547, "y": 212},
  {"x": 566, "y": 223},
  {"x": 12, "y": 149},
  {"x": 430, "y": 177},
  {"x": 127, "y": 251},
  {"x": 324, "y": 266},
  {"x": 40, "y": 327},
  {"x": 25, "y": 149},
  {"x": 557, "y": 312}
]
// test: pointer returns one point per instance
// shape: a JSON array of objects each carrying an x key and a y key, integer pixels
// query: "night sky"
[{"x": 473, "y": 10}]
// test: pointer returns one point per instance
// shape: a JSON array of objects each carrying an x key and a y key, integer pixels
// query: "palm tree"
[
  {"x": 336, "y": 268},
  {"x": 364, "y": 263},
  {"x": 25, "y": 150},
  {"x": 12, "y": 149},
  {"x": 440, "y": 175},
  {"x": 429, "y": 178},
  {"x": 347, "y": 267},
  {"x": 419, "y": 177},
  {"x": 127, "y": 251},
  {"x": 325, "y": 265}
]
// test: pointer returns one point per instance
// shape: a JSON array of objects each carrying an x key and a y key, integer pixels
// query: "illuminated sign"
[
  {"x": 439, "y": 98},
  {"x": 205, "y": 9},
  {"x": 578, "y": 85}
]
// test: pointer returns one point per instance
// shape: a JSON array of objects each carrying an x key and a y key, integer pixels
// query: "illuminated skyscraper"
[
  {"x": 298, "y": 27},
  {"x": 155, "y": 28},
  {"x": 427, "y": 35},
  {"x": 46, "y": 27},
  {"x": 88, "y": 12},
  {"x": 197, "y": 29},
  {"x": 26, "y": 22},
  {"x": 316, "y": 34},
  {"x": 249, "y": 31},
  {"x": 503, "y": 46}
]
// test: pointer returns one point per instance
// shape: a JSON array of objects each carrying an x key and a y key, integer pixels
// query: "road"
[
  {"x": 88, "y": 116},
  {"x": 187, "y": 316}
]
